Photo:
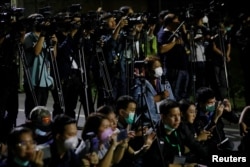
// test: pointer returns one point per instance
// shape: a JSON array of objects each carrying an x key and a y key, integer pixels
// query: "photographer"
[
  {"x": 171, "y": 48},
  {"x": 38, "y": 63},
  {"x": 130, "y": 49},
  {"x": 69, "y": 66},
  {"x": 110, "y": 37},
  {"x": 11, "y": 38}
]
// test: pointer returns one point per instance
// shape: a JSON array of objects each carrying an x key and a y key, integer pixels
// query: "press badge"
[{"x": 179, "y": 159}]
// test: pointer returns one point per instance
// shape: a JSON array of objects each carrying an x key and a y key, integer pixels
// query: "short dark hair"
[
  {"x": 167, "y": 105},
  {"x": 59, "y": 123},
  {"x": 123, "y": 101},
  {"x": 125, "y": 9},
  {"x": 169, "y": 18},
  {"x": 105, "y": 109},
  {"x": 92, "y": 124},
  {"x": 184, "y": 105},
  {"x": 203, "y": 94}
]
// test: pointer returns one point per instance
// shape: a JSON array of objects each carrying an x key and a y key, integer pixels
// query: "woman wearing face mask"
[
  {"x": 153, "y": 85},
  {"x": 106, "y": 146},
  {"x": 209, "y": 117}
]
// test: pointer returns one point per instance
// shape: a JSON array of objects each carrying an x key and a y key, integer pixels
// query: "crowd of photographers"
[{"x": 133, "y": 73}]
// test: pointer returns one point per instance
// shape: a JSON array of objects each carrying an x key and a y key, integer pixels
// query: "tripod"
[
  {"x": 84, "y": 79},
  {"x": 141, "y": 115},
  {"x": 27, "y": 72},
  {"x": 193, "y": 60},
  {"x": 107, "y": 88},
  {"x": 56, "y": 78}
]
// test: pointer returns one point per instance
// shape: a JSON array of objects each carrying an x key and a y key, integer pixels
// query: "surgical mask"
[
  {"x": 21, "y": 162},
  {"x": 210, "y": 108},
  {"x": 40, "y": 132},
  {"x": 167, "y": 127},
  {"x": 71, "y": 143},
  {"x": 130, "y": 118},
  {"x": 228, "y": 28},
  {"x": 106, "y": 135},
  {"x": 158, "y": 72}
]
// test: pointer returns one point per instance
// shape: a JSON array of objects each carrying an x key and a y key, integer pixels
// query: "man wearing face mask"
[
  {"x": 173, "y": 136},
  {"x": 65, "y": 141},
  {"x": 138, "y": 144},
  {"x": 209, "y": 117}
]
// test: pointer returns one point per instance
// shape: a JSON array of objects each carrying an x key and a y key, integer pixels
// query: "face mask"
[
  {"x": 40, "y": 132},
  {"x": 106, "y": 134},
  {"x": 71, "y": 143},
  {"x": 130, "y": 118},
  {"x": 210, "y": 108},
  {"x": 167, "y": 127},
  {"x": 20, "y": 162},
  {"x": 158, "y": 72},
  {"x": 228, "y": 28}
]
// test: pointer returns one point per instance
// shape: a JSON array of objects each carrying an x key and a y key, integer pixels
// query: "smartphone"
[
  {"x": 45, "y": 149},
  {"x": 223, "y": 141},
  {"x": 123, "y": 134}
]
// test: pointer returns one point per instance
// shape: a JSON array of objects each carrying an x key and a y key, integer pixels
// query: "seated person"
[
  {"x": 173, "y": 137},
  {"x": 65, "y": 141},
  {"x": 155, "y": 88},
  {"x": 209, "y": 117},
  {"x": 188, "y": 115},
  {"x": 22, "y": 149},
  {"x": 103, "y": 142},
  {"x": 244, "y": 123},
  {"x": 40, "y": 123}
]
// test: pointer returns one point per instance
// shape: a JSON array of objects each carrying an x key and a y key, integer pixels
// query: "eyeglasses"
[{"x": 25, "y": 144}]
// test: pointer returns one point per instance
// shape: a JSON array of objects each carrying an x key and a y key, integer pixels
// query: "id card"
[{"x": 179, "y": 160}]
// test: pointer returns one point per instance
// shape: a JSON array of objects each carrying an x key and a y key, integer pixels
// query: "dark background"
[{"x": 218, "y": 9}]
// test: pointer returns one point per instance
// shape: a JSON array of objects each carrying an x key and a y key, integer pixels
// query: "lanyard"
[{"x": 174, "y": 145}]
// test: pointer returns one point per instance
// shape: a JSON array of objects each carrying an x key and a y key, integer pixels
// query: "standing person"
[
  {"x": 110, "y": 37},
  {"x": 172, "y": 51},
  {"x": 11, "y": 38},
  {"x": 38, "y": 64},
  {"x": 220, "y": 57},
  {"x": 69, "y": 66}
]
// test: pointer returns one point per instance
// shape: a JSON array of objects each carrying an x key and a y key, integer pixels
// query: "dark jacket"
[{"x": 164, "y": 150}]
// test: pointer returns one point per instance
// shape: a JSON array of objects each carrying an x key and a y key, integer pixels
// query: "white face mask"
[
  {"x": 158, "y": 72},
  {"x": 71, "y": 143}
]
